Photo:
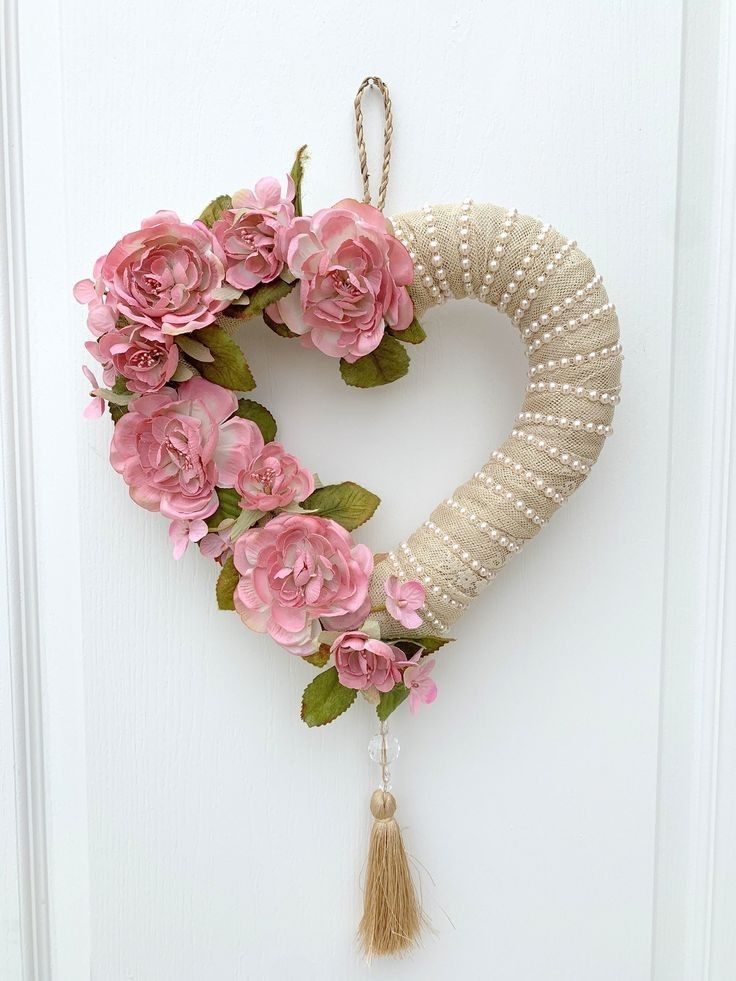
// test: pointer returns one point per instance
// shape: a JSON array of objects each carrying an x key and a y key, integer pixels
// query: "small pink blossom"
[
  {"x": 182, "y": 532},
  {"x": 365, "y": 663},
  {"x": 403, "y": 599},
  {"x": 248, "y": 233},
  {"x": 274, "y": 479},
  {"x": 96, "y": 407},
  {"x": 146, "y": 364},
  {"x": 353, "y": 275},
  {"x": 296, "y": 570},
  {"x": 422, "y": 689},
  {"x": 217, "y": 545}
]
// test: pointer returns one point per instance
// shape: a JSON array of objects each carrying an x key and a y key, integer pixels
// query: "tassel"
[{"x": 392, "y": 918}]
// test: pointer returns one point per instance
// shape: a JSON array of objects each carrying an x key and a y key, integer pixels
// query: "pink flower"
[
  {"x": 96, "y": 407},
  {"x": 247, "y": 233},
  {"x": 353, "y": 273},
  {"x": 102, "y": 313},
  {"x": 295, "y": 570},
  {"x": 181, "y": 533},
  {"x": 145, "y": 364},
  {"x": 168, "y": 447},
  {"x": 273, "y": 479},
  {"x": 217, "y": 545},
  {"x": 422, "y": 690},
  {"x": 363, "y": 662},
  {"x": 403, "y": 599},
  {"x": 168, "y": 276}
]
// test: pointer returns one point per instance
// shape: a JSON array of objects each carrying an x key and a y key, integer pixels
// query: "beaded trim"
[
  {"x": 497, "y": 251},
  {"x": 592, "y": 394},
  {"x": 526, "y": 262},
  {"x": 576, "y": 360},
  {"x": 571, "y": 325},
  {"x": 557, "y": 309},
  {"x": 563, "y": 422},
  {"x": 553, "y": 493},
  {"x": 462, "y": 553},
  {"x": 576, "y": 463},
  {"x": 497, "y": 537},
  {"x": 521, "y": 506}
]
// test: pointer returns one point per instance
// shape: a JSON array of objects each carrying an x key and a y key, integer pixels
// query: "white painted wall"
[{"x": 566, "y": 793}]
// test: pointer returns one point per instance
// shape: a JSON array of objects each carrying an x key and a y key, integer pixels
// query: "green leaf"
[
  {"x": 320, "y": 657},
  {"x": 325, "y": 698},
  {"x": 414, "y": 333},
  {"x": 391, "y": 700},
  {"x": 215, "y": 208},
  {"x": 193, "y": 348},
  {"x": 297, "y": 175},
  {"x": 349, "y": 504},
  {"x": 263, "y": 295},
  {"x": 229, "y": 507},
  {"x": 120, "y": 388},
  {"x": 430, "y": 645},
  {"x": 226, "y": 583},
  {"x": 387, "y": 363},
  {"x": 229, "y": 367},
  {"x": 259, "y": 414},
  {"x": 281, "y": 329}
]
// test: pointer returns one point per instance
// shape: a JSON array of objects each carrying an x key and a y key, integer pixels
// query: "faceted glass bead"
[{"x": 375, "y": 749}]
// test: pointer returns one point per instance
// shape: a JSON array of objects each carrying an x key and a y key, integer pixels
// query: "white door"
[{"x": 164, "y": 813}]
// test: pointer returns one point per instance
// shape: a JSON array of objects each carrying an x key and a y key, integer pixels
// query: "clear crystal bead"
[{"x": 376, "y": 749}]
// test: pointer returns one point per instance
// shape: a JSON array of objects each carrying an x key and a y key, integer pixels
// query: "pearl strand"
[
  {"x": 572, "y": 325},
  {"x": 557, "y": 308},
  {"x": 428, "y": 614},
  {"x": 578, "y": 464},
  {"x": 464, "y": 555},
  {"x": 408, "y": 240},
  {"x": 592, "y": 394},
  {"x": 553, "y": 493},
  {"x": 520, "y": 274},
  {"x": 464, "y": 246},
  {"x": 613, "y": 351},
  {"x": 562, "y": 422},
  {"x": 521, "y": 506},
  {"x": 443, "y": 290},
  {"x": 497, "y": 251},
  {"x": 497, "y": 537}
]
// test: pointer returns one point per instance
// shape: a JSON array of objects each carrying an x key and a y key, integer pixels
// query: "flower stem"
[{"x": 378, "y": 609}]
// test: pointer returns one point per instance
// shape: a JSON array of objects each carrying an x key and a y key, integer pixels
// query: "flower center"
[
  {"x": 264, "y": 477},
  {"x": 146, "y": 359}
]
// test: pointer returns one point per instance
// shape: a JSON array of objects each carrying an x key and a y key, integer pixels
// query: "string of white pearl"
[
  {"x": 613, "y": 351},
  {"x": 462, "y": 553},
  {"x": 408, "y": 240},
  {"x": 576, "y": 463},
  {"x": 562, "y": 422},
  {"x": 427, "y": 580},
  {"x": 520, "y": 274},
  {"x": 497, "y": 252},
  {"x": 557, "y": 308},
  {"x": 498, "y": 537},
  {"x": 521, "y": 506},
  {"x": 463, "y": 246},
  {"x": 430, "y": 230},
  {"x": 425, "y": 610},
  {"x": 564, "y": 388},
  {"x": 571, "y": 325},
  {"x": 553, "y": 493}
]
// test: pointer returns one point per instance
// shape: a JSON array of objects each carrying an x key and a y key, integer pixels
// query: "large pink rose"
[
  {"x": 168, "y": 447},
  {"x": 247, "y": 233},
  {"x": 295, "y": 570},
  {"x": 363, "y": 662},
  {"x": 353, "y": 276},
  {"x": 168, "y": 276},
  {"x": 145, "y": 364}
]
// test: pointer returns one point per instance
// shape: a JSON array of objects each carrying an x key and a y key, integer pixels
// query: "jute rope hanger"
[{"x": 373, "y": 81}]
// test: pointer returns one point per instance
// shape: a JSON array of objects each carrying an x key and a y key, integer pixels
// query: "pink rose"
[
  {"x": 247, "y": 233},
  {"x": 273, "y": 479},
  {"x": 145, "y": 364},
  {"x": 168, "y": 276},
  {"x": 353, "y": 273},
  {"x": 403, "y": 599},
  {"x": 295, "y": 570},
  {"x": 363, "y": 662},
  {"x": 169, "y": 445}
]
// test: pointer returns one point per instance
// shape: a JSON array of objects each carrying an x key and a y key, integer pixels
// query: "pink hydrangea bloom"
[
  {"x": 353, "y": 276},
  {"x": 217, "y": 545},
  {"x": 247, "y": 233},
  {"x": 169, "y": 276},
  {"x": 181, "y": 533},
  {"x": 168, "y": 447},
  {"x": 295, "y": 570},
  {"x": 422, "y": 689},
  {"x": 145, "y": 364},
  {"x": 363, "y": 662},
  {"x": 96, "y": 407},
  {"x": 403, "y": 599}
]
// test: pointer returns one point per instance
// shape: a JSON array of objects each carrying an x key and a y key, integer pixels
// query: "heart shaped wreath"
[{"x": 162, "y": 307}]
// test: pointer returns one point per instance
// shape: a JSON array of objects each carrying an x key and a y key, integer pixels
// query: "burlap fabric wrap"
[{"x": 550, "y": 291}]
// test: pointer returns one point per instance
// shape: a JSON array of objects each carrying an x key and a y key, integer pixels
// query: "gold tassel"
[{"x": 392, "y": 918}]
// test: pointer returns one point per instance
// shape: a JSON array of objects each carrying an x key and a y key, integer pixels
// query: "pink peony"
[
  {"x": 145, "y": 364},
  {"x": 247, "y": 233},
  {"x": 168, "y": 276},
  {"x": 168, "y": 447},
  {"x": 273, "y": 479},
  {"x": 422, "y": 689},
  {"x": 403, "y": 599},
  {"x": 295, "y": 570},
  {"x": 363, "y": 662},
  {"x": 353, "y": 273}
]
